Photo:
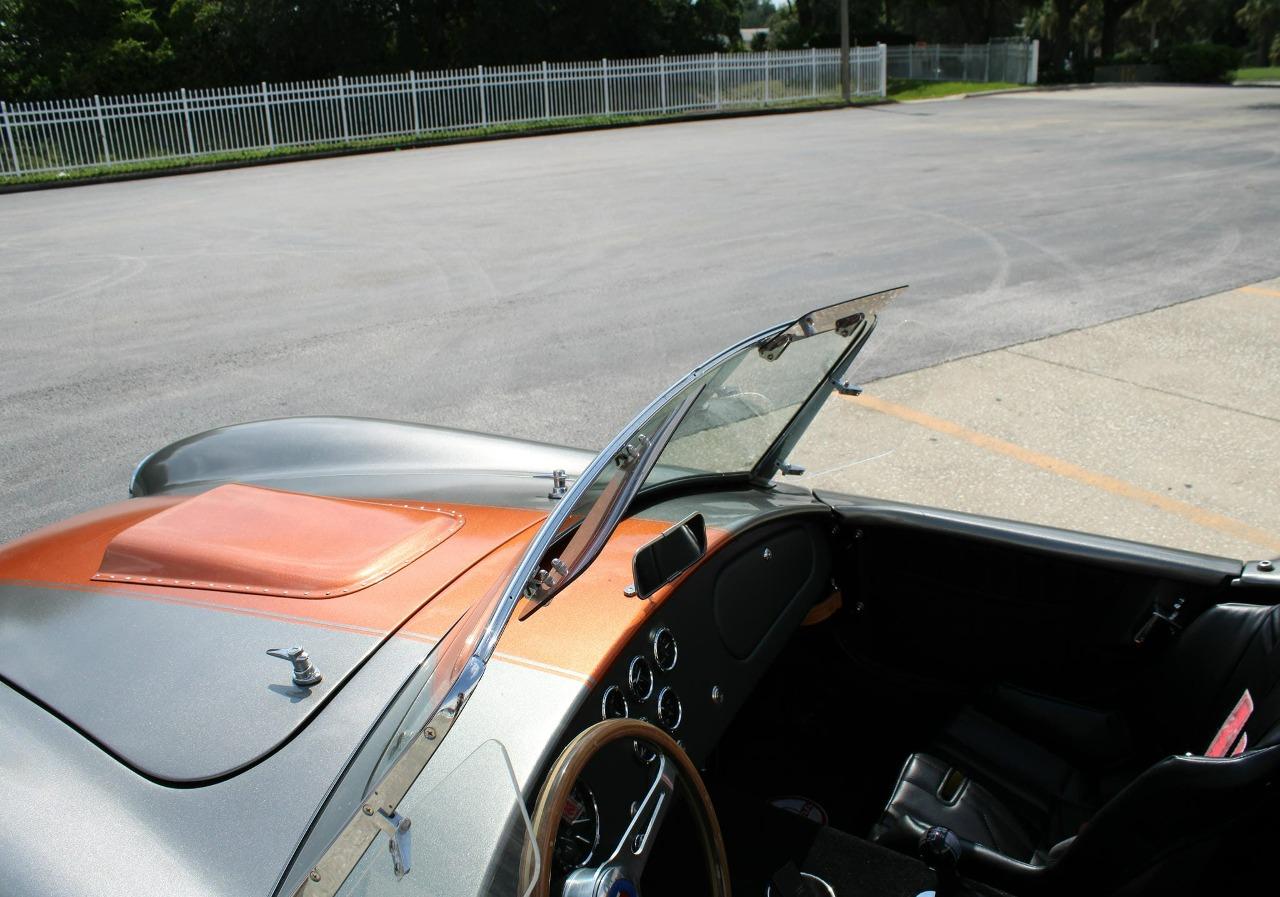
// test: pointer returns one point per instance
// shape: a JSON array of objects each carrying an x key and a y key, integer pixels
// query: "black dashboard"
[{"x": 692, "y": 664}]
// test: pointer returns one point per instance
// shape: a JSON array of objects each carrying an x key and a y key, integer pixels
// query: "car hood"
[{"x": 145, "y": 625}]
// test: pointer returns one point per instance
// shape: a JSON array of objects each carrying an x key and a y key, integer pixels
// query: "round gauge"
[
  {"x": 614, "y": 704},
  {"x": 665, "y": 650},
  {"x": 640, "y": 679},
  {"x": 578, "y": 834},
  {"x": 643, "y": 752},
  {"x": 670, "y": 710}
]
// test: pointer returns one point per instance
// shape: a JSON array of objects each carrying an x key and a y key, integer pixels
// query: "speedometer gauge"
[{"x": 579, "y": 832}]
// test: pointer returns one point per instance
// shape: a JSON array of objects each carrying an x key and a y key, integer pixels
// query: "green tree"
[{"x": 1262, "y": 20}]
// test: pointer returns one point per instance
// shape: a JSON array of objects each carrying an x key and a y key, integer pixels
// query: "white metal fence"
[
  {"x": 1012, "y": 61},
  {"x": 103, "y": 131}
]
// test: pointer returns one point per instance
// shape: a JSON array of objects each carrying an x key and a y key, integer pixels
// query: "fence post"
[
  {"x": 186, "y": 117},
  {"x": 813, "y": 65},
  {"x": 546, "y": 93},
  {"x": 1033, "y": 64},
  {"x": 484, "y": 98},
  {"x": 884, "y": 69},
  {"x": 342, "y": 105},
  {"x": 102, "y": 129},
  {"x": 986, "y": 72},
  {"x": 8, "y": 133},
  {"x": 717, "y": 80},
  {"x": 413, "y": 101},
  {"x": 604, "y": 75},
  {"x": 266, "y": 115},
  {"x": 662, "y": 72},
  {"x": 766, "y": 76}
]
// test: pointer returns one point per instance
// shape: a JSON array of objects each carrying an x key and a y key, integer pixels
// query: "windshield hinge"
[
  {"x": 845, "y": 388},
  {"x": 630, "y": 453},
  {"x": 400, "y": 844},
  {"x": 772, "y": 348}
]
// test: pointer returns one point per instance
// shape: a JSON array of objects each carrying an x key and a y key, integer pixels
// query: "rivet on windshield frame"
[
  {"x": 1266, "y": 566},
  {"x": 430, "y": 733},
  {"x": 368, "y": 810},
  {"x": 630, "y": 591},
  {"x": 315, "y": 876}
]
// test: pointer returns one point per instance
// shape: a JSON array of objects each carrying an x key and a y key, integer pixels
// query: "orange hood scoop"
[{"x": 238, "y": 538}]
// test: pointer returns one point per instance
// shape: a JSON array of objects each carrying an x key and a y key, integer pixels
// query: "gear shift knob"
[{"x": 940, "y": 848}]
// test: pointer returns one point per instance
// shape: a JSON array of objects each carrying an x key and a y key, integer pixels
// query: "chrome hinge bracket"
[
  {"x": 559, "y": 485},
  {"x": 400, "y": 843},
  {"x": 630, "y": 453},
  {"x": 772, "y": 348},
  {"x": 845, "y": 388}
]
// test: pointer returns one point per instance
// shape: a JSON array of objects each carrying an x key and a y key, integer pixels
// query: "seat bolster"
[
  {"x": 974, "y": 813},
  {"x": 1033, "y": 782}
]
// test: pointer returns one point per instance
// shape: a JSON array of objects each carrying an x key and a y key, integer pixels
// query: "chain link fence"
[{"x": 1011, "y": 61}]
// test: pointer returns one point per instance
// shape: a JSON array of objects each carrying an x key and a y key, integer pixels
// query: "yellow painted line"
[
  {"x": 1261, "y": 291},
  {"x": 1197, "y": 515}
]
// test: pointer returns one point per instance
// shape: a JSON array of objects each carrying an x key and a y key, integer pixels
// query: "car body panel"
[
  {"x": 363, "y": 457},
  {"x": 175, "y": 681}
]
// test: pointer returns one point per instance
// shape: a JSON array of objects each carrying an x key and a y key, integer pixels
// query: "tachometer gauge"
[
  {"x": 670, "y": 710},
  {"x": 579, "y": 832},
  {"x": 614, "y": 704},
  {"x": 640, "y": 679},
  {"x": 665, "y": 650}
]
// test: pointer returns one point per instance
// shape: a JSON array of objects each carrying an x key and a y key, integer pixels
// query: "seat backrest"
[
  {"x": 1178, "y": 805},
  {"x": 1227, "y": 649}
]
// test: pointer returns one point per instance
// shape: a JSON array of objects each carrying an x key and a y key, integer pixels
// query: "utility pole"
[{"x": 844, "y": 49}]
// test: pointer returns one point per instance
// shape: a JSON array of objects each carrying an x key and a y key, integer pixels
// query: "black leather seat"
[{"x": 1047, "y": 792}]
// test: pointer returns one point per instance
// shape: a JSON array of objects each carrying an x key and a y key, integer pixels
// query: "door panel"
[{"x": 959, "y": 607}]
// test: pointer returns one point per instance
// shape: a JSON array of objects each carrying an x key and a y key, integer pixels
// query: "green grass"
[
  {"x": 81, "y": 175},
  {"x": 1270, "y": 73},
  {"x": 905, "y": 89}
]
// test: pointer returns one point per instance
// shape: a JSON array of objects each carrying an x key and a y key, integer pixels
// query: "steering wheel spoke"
[
  {"x": 620, "y": 873},
  {"x": 632, "y": 852}
]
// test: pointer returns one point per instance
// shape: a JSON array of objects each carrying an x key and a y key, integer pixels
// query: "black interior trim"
[{"x": 1121, "y": 554}]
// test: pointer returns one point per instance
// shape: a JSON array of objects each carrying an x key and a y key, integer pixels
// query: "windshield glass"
[
  {"x": 747, "y": 403},
  {"x": 469, "y": 836},
  {"x": 756, "y": 402}
]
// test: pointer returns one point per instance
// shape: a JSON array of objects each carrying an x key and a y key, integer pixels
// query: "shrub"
[
  {"x": 1275, "y": 50},
  {"x": 1130, "y": 57},
  {"x": 1202, "y": 63}
]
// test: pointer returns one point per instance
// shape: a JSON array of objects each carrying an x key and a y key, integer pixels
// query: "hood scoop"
[{"x": 249, "y": 539}]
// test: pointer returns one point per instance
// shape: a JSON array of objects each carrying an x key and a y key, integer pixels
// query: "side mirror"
[{"x": 669, "y": 555}]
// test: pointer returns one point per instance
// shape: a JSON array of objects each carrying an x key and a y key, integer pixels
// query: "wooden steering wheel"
[{"x": 619, "y": 874}]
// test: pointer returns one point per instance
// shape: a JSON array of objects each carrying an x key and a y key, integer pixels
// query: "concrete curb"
[{"x": 424, "y": 144}]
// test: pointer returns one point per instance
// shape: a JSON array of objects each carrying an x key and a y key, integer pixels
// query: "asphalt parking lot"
[{"x": 547, "y": 287}]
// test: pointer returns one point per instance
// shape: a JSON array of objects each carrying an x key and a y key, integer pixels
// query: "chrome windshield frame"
[
  {"x": 462, "y": 656},
  {"x": 552, "y": 527}
]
